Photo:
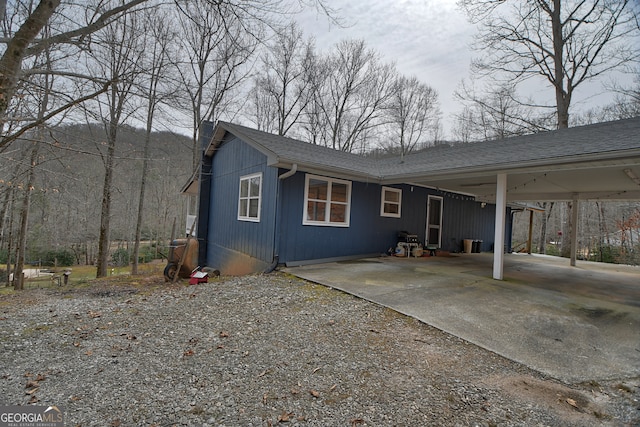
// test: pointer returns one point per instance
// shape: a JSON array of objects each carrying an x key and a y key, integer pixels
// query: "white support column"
[
  {"x": 575, "y": 208},
  {"x": 501, "y": 212}
]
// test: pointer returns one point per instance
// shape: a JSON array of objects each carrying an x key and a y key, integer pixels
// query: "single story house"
[{"x": 265, "y": 199}]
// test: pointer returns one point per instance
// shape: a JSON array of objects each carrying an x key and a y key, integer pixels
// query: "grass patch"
[{"x": 149, "y": 278}]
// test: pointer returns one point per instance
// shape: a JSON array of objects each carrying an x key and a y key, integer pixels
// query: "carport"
[
  {"x": 594, "y": 162},
  {"x": 575, "y": 324},
  {"x": 575, "y": 321}
]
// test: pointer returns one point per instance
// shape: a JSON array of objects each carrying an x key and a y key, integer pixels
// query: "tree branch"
[{"x": 10, "y": 138}]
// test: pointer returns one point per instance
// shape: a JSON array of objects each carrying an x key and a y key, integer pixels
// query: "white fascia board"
[
  {"x": 565, "y": 197},
  {"x": 323, "y": 170},
  {"x": 515, "y": 168}
]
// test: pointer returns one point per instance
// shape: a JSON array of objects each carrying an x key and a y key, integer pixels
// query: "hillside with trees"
[
  {"x": 94, "y": 94},
  {"x": 66, "y": 193}
]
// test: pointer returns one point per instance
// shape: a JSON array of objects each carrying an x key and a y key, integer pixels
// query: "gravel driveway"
[{"x": 269, "y": 350}]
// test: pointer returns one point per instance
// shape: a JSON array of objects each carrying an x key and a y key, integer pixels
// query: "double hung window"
[
  {"x": 250, "y": 197},
  {"x": 391, "y": 202},
  {"x": 327, "y": 201}
]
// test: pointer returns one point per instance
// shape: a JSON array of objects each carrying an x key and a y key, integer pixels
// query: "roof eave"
[
  {"x": 622, "y": 158},
  {"x": 321, "y": 169}
]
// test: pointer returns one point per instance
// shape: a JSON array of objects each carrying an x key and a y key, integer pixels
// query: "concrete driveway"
[{"x": 572, "y": 323}]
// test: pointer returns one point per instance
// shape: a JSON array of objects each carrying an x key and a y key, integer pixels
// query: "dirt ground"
[{"x": 265, "y": 350}]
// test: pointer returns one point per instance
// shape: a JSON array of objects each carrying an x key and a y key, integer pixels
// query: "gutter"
[
  {"x": 276, "y": 221},
  {"x": 294, "y": 169}
]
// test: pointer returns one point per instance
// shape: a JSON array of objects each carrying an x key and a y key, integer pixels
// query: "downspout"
[
  {"x": 294, "y": 169},
  {"x": 276, "y": 220}
]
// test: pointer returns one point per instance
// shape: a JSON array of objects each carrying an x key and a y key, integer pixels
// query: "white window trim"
[
  {"x": 242, "y": 217},
  {"x": 382, "y": 202},
  {"x": 326, "y": 222}
]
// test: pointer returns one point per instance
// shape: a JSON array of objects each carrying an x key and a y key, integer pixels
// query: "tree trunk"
[
  {"x": 143, "y": 185},
  {"x": 11, "y": 61},
  {"x": 9, "y": 227},
  {"x": 6, "y": 207},
  {"x": 18, "y": 277},
  {"x": 105, "y": 213},
  {"x": 604, "y": 231},
  {"x": 542, "y": 244},
  {"x": 563, "y": 98},
  {"x": 567, "y": 226}
]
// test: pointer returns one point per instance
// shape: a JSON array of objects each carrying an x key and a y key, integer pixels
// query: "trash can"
[
  {"x": 477, "y": 245},
  {"x": 468, "y": 245}
]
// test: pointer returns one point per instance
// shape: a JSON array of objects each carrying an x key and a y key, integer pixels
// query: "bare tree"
[
  {"x": 496, "y": 113},
  {"x": 463, "y": 126},
  {"x": 413, "y": 114},
  {"x": 566, "y": 42},
  {"x": 157, "y": 35},
  {"x": 313, "y": 123},
  {"x": 218, "y": 39},
  {"x": 35, "y": 103},
  {"x": 626, "y": 103},
  {"x": 116, "y": 54},
  {"x": 16, "y": 50},
  {"x": 22, "y": 43},
  {"x": 353, "y": 95},
  {"x": 281, "y": 90},
  {"x": 264, "y": 113}
]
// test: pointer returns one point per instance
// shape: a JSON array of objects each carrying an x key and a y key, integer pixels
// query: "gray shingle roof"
[
  {"x": 289, "y": 150},
  {"x": 599, "y": 141}
]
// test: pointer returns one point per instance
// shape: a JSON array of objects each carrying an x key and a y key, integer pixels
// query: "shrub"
[
  {"x": 60, "y": 258},
  {"x": 146, "y": 254},
  {"x": 552, "y": 249},
  {"x": 120, "y": 257},
  {"x": 609, "y": 254},
  {"x": 4, "y": 256}
]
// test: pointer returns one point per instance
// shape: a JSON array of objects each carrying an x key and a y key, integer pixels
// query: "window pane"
[
  {"x": 255, "y": 187},
  {"x": 434, "y": 211},
  {"x": 193, "y": 205},
  {"x": 391, "y": 208},
  {"x": 338, "y": 213},
  {"x": 434, "y": 235},
  {"x": 391, "y": 196},
  {"x": 317, "y": 189},
  {"x": 243, "y": 207},
  {"x": 338, "y": 192},
  {"x": 244, "y": 188},
  {"x": 253, "y": 208},
  {"x": 316, "y": 211}
]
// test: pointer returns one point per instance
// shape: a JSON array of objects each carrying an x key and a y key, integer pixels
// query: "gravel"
[{"x": 266, "y": 350}]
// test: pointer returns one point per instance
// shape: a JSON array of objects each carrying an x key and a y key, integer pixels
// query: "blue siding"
[
  {"x": 370, "y": 233},
  {"x": 366, "y": 234},
  {"x": 237, "y": 247},
  {"x": 465, "y": 219},
  {"x": 240, "y": 247},
  {"x": 202, "y": 228}
]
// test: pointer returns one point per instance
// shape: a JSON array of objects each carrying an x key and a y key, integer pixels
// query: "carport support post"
[
  {"x": 574, "y": 229},
  {"x": 530, "y": 238},
  {"x": 501, "y": 213}
]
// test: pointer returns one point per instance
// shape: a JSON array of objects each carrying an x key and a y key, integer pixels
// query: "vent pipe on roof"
[{"x": 294, "y": 169}]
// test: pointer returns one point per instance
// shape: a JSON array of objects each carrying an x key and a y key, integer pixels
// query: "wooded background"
[{"x": 101, "y": 104}]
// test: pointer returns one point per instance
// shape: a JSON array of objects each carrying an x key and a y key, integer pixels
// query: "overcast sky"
[{"x": 427, "y": 38}]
